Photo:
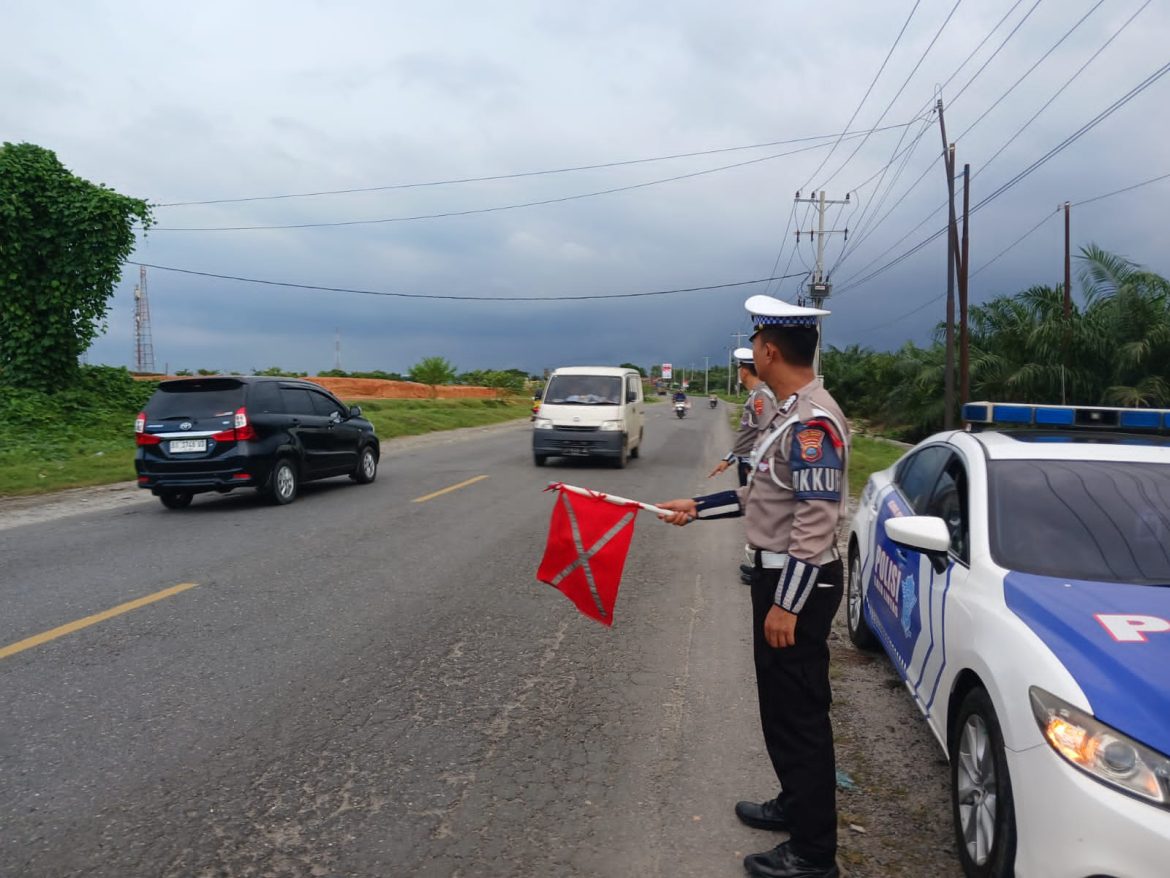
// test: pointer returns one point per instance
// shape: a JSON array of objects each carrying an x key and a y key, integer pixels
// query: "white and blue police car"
[{"x": 1017, "y": 573}]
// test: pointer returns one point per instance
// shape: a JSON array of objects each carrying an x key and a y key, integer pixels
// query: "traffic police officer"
[
  {"x": 758, "y": 410},
  {"x": 793, "y": 501}
]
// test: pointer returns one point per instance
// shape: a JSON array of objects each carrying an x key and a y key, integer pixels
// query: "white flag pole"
[{"x": 608, "y": 498}]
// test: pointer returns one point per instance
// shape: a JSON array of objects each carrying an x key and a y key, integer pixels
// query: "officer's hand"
[
  {"x": 723, "y": 465},
  {"x": 682, "y": 511},
  {"x": 780, "y": 628}
]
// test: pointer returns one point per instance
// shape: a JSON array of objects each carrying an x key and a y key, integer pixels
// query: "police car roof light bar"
[{"x": 986, "y": 414}]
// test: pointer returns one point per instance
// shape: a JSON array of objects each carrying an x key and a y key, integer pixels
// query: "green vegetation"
[
  {"x": 80, "y": 436},
  {"x": 868, "y": 456},
  {"x": 433, "y": 371},
  {"x": 62, "y": 244},
  {"x": 413, "y": 417}
]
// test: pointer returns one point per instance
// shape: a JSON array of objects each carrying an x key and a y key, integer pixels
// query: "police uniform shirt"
[
  {"x": 797, "y": 493},
  {"x": 758, "y": 411}
]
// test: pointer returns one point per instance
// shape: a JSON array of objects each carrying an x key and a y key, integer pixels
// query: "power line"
[
  {"x": 1014, "y": 181},
  {"x": 520, "y": 174},
  {"x": 865, "y": 97},
  {"x": 1029, "y": 71},
  {"x": 998, "y": 49},
  {"x": 395, "y": 294},
  {"x": 897, "y": 94},
  {"x": 1021, "y": 240},
  {"x": 849, "y": 283},
  {"x": 495, "y": 208}
]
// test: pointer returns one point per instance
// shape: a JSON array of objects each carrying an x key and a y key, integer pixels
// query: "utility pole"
[
  {"x": 952, "y": 265},
  {"x": 1067, "y": 302},
  {"x": 706, "y": 374},
  {"x": 964, "y": 360},
  {"x": 143, "y": 346},
  {"x": 819, "y": 287},
  {"x": 337, "y": 350}
]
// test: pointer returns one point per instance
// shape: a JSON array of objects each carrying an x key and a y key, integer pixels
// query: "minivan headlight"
[
  {"x": 543, "y": 424},
  {"x": 611, "y": 426},
  {"x": 1100, "y": 750}
]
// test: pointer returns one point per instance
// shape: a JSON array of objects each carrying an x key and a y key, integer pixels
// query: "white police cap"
[
  {"x": 768, "y": 311},
  {"x": 745, "y": 356}
]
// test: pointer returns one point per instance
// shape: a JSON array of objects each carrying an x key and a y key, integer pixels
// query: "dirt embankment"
[{"x": 378, "y": 388}]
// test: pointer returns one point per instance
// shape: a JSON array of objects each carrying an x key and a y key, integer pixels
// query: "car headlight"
[
  {"x": 1101, "y": 751},
  {"x": 543, "y": 423},
  {"x": 611, "y": 426}
]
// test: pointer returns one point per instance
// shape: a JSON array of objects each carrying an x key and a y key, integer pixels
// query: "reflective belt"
[{"x": 778, "y": 560}]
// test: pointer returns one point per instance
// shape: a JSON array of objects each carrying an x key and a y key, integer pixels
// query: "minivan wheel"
[
  {"x": 176, "y": 499},
  {"x": 283, "y": 483},
  {"x": 620, "y": 461},
  {"x": 367, "y": 468},
  {"x": 539, "y": 459}
]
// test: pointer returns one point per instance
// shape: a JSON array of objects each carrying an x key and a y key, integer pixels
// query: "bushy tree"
[
  {"x": 432, "y": 371},
  {"x": 62, "y": 244}
]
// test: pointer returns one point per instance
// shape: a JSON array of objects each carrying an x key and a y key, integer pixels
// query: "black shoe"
[
  {"x": 783, "y": 862},
  {"x": 746, "y": 580},
  {"x": 745, "y": 569},
  {"x": 765, "y": 815}
]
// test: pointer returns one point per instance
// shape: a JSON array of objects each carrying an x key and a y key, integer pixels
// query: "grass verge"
[{"x": 869, "y": 456}]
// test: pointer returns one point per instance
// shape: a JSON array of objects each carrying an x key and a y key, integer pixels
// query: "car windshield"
[
  {"x": 195, "y": 399},
  {"x": 584, "y": 390},
  {"x": 1082, "y": 519}
]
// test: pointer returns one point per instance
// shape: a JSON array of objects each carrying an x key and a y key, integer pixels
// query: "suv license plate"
[{"x": 179, "y": 446}]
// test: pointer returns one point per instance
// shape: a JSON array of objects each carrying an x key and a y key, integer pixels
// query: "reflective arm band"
[
  {"x": 731, "y": 457},
  {"x": 796, "y": 584},
  {"x": 725, "y": 504}
]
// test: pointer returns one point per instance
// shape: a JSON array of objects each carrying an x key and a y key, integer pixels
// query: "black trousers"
[
  {"x": 742, "y": 469},
  {"x": 793, "y": 687}
]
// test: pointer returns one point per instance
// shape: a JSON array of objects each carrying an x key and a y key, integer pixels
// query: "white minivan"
[{"x": 590, "y": 411}]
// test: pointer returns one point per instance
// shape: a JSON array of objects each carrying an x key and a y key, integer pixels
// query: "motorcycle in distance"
[
  {"x": 712, "y": 401},
  {"x": 680, "y": 409}
]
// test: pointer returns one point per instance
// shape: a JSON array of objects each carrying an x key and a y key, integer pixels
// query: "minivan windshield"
[
  {"x": 195, "y": 399},
  {"x": 1082, "y": 519},
  {"x": 584, "y": 390}
]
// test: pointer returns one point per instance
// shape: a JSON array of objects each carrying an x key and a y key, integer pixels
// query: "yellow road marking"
[
  {"x": 427, "y": 497},
  {"x": 38, "y": 639}
]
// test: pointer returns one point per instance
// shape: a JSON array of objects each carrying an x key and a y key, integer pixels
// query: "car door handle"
[{"x": 296, "y": 422}]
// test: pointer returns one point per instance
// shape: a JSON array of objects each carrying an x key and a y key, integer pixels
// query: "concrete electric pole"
[{"x": 819, "y": 287}]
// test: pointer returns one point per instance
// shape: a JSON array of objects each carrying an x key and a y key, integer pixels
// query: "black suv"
[{"x": 216, "y": 434}]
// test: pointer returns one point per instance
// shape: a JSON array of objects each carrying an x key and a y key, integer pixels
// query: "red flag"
[{"x": 588, "y": 539}]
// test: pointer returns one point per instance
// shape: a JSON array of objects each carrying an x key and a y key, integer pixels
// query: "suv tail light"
[
  {"x": 141, "y": 437},
  {"x": 241, "y": 429}
]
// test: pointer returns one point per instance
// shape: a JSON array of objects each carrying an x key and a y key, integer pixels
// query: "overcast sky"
[{"x": 192, "y": 102}]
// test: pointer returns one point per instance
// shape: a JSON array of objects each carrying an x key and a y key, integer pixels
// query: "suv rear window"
[{"x": 195, "y": 399}]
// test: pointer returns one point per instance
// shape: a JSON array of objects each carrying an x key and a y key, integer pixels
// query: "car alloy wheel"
[
  {"x": 284, "y": 482},
  {"x": 367, "y": 469},
  {"x": 981, "y": 791},
  {"x": 859, "y": 630}
]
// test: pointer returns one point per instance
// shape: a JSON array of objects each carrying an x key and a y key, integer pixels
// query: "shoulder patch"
[
  {"x": 758, "y": 405},
  {"x": 812, "y": 443}
]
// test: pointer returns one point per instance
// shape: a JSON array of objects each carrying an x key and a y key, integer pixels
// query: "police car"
[{"x": 1018, "y": 576}]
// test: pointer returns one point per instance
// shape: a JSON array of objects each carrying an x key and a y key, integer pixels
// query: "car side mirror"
[
  {"x": 537, "y": 394},
  {"x": 355, "y": 411},
  {"x": 922, "y": 533}
]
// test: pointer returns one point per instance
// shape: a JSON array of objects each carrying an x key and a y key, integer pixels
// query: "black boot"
[
  {"x": 783, "y": 862},
  {"x": 765, "y": 815}
]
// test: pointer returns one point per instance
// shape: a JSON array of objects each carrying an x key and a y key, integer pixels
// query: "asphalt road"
[{"x": 361, "y": 684}]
